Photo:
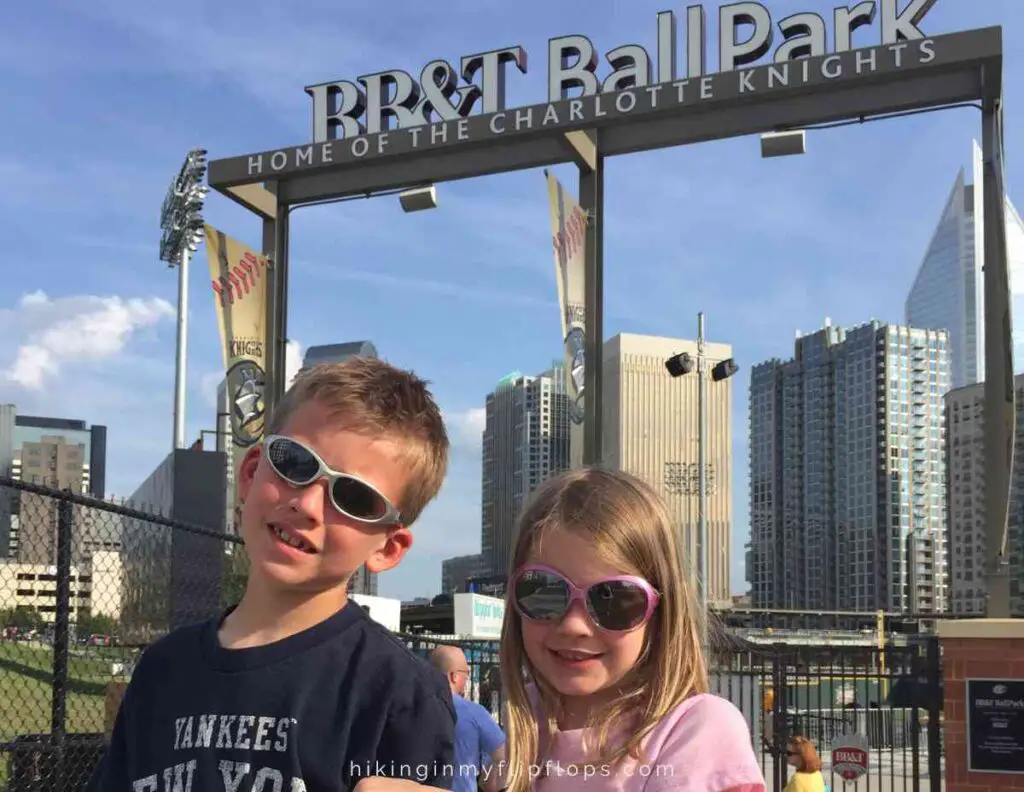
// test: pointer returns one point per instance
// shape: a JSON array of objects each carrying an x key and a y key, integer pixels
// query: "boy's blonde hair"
[
  {"x": 369, "y": 396},
  {"x": 627, "y": 525}
]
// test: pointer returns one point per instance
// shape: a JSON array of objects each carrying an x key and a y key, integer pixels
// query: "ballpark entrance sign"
[
  {"x": 394, "y": 100},
  {"x": 353, "y": 128},
  {"x": 389, "y": 131}
]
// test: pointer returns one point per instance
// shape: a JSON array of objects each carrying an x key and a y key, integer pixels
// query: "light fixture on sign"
[
  {"x": 783, "y": 144},
  {"x": 418, "y": 199}
]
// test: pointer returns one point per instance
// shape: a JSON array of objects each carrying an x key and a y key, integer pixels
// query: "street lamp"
[
  {"x": 181, "y": 225},
  {"x": 678, "y": 366}
]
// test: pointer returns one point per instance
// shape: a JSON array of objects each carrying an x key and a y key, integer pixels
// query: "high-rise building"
[
  {"x": 526, "y": 440},
  {"x": 965, "y": 454},
  {"x": 84, "y": 469},
  {"x": 457, "y": 570},
  {"x": 650, "y": 429},
  {"x": 53, "y": 452},
  {"x": 948, "y": 292},
  {"x": 847, "y": 472}
]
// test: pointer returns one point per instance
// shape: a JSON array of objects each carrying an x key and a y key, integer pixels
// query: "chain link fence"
[{"x": 85, "y": 585}]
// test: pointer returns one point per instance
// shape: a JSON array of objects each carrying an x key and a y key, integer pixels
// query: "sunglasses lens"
[
  {"x": 358, "y": 500},
  {"x": 292, "y": 462},
  {"x": 618, "y": 604},
  {"x": 541, "y": 596}
]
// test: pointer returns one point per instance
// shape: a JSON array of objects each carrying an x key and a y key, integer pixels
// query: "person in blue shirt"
[{"x": 477, "y": 737}]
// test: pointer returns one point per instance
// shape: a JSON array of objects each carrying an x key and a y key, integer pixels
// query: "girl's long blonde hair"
[{"x": 627, "y": 524}]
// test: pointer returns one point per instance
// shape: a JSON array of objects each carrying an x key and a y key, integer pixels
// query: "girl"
[
  {"x": 800, "y": 754},
  {"x": 601, "y": 653}
]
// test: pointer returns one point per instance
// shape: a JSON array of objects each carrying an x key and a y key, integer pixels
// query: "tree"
[
  {"x": 22, "y": 618},
  {"x": 95, "y": 625}
]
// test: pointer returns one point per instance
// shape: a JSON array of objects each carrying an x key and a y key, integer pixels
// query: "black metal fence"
[{"x": 86, "y": 585}]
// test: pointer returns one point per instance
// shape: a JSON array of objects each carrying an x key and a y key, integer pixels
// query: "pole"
[
  {"x": 181, "y": 226},
  {"x": 934, "y": 664},
  {"x": 182, "y": 350},
  {"x": 592, "y": 202},
  {"x": 61, "y": 633},
  {"x": 702, "y": 478},
  {"x": 1000, "y": 409},
  {"x": 277, "y": 310}
]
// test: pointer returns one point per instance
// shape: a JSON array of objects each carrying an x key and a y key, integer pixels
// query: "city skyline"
[{"x": 462, "y": 294}]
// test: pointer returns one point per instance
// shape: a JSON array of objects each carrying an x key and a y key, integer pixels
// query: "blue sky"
[{"x": 103, "y": 99}]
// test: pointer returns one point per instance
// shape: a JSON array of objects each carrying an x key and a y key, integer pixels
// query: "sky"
[{"x": 103, "y": 99}]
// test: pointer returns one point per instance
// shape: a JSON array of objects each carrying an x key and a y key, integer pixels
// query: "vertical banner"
[
  {"x": 569, "y": 237},
  {"x": 239, "y": 279}
]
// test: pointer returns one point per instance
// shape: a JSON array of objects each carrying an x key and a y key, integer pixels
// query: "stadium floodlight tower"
[
  {"x": 679, "y": 365},
  {"x": 181, "y": 225}
]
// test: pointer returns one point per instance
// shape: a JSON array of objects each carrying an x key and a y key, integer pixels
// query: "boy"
[{"x": 296, "y": 689}]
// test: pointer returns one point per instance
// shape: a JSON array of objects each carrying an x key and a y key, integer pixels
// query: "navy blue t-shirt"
[{"x": 314, "y": 712}]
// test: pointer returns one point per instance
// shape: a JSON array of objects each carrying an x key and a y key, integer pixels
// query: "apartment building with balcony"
[{"x": 848, "y": 472}]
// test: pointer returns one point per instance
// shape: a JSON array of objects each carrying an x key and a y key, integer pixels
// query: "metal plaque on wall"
[{"x": 995, "y": 725}]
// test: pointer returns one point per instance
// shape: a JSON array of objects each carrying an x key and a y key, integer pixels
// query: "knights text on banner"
[
  {"x": 238, "y": 276},
  {"x": 569, "y": 237}
]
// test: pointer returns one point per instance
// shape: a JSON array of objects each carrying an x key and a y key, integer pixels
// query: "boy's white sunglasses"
[{"x": 301, "y": 466}]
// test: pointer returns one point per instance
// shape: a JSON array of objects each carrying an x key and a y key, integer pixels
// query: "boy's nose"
[{"x": 311, "y": 500}]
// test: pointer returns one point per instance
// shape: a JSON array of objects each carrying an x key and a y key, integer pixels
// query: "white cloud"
[
  {"x": 53, "y": 333},
  {"x": 466, "y": 427}
]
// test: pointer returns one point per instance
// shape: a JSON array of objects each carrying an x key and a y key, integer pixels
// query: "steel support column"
[
  {"x": 1000, "y": 409},
  {"x": 276, "y": 234},
  {"x": 591, "y": 191}
]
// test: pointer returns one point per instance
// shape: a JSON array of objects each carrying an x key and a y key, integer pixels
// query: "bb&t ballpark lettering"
[
  {"x": 580, "y": 111},
  {"x": 392, "y": 99}
]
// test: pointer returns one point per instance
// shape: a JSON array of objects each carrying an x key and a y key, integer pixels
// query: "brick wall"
[{"x": 976, "y": 653}]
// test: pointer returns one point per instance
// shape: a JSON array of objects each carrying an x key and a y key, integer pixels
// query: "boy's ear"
[
  {"x": 396, "y": 545},
  {"x": 247, "y": 470}
]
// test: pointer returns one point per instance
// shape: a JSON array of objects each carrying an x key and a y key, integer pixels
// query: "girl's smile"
[{"x": 574, "y": 659}]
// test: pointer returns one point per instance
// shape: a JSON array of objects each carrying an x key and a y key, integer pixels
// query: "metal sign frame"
[{"x": 855, "y": 85}]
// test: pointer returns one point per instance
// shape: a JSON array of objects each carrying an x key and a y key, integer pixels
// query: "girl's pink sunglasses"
[{"x": 615, "y": 604}]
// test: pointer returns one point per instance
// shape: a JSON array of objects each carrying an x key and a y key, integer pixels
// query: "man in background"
[{"x": 476, "y": 733}]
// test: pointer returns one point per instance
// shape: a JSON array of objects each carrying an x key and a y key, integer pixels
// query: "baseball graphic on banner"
[{"x": 246, "y": 385}]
